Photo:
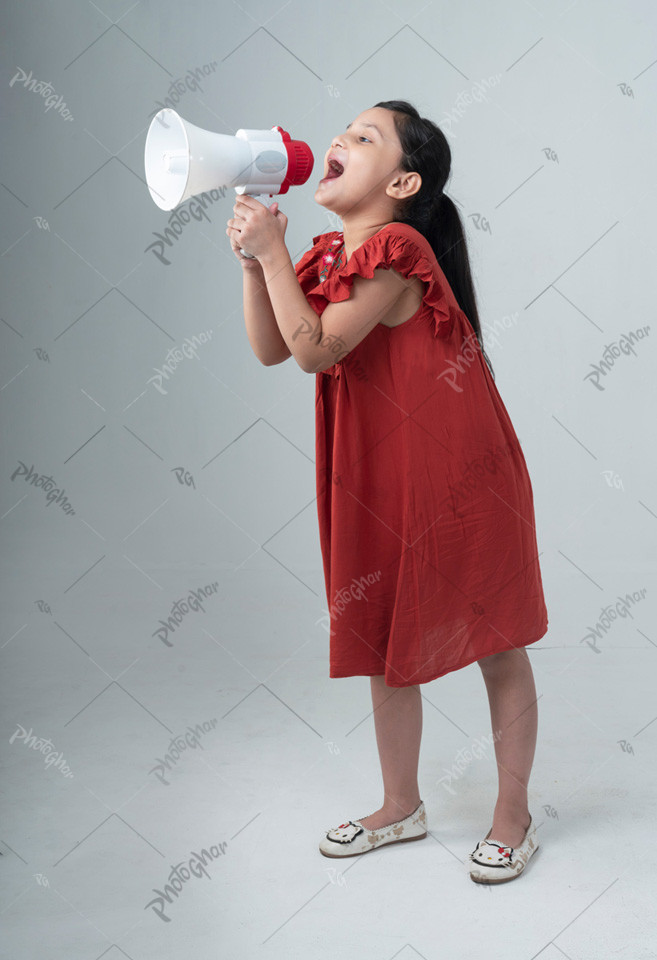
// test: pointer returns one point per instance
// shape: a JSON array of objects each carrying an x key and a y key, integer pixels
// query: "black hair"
[{"x": 430, "y": 211}]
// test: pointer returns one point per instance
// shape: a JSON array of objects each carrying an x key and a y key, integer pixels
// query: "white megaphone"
[{"x": 182, "y": 160}]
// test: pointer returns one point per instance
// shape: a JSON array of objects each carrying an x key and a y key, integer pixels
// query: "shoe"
[
  {"x": 351, "y": 839},
  {"x": 492, "y": 862}
]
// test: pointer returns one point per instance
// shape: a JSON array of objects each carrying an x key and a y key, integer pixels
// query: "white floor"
[{"x": 283, "y": 753}]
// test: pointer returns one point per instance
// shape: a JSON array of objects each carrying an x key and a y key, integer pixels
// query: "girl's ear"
[{"x": 407, "y": 184}]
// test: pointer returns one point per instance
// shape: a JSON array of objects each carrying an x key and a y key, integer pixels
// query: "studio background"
[{"x": 188, "y": 497}]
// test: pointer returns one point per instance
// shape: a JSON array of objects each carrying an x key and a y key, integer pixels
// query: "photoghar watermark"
[
  {"x": 334, "y": 220},
  {"x": 612, "y": 351},
  {"x": 477, "y": 470},
  {"x": 180, "y": 875},
  {"x": 335, "y": 345},
  {"x": 336, "y": 876},
  {"x": 355, "y": 591},
  {"x": 178, "y": 88},
  {"x": 613, "y": 480},
  {"x": 175, "y": 357},
  {"x": 609, "y": 614},
  {"x": 181, "y": 608},
  {"x": 464, "y": 758},
  {"x": 178, "y": 746},
  {"x": 465, "y": 99},
  {"x": 469, "y": 351},
  {"x": 44, "y": 88},
  {"x": 46, "y": 747},
  {"x": 46, "y": 483},
  {"x": 184, "y": 477},
  {"x": 194, "y": 208},
  {"x": 480, "y": 222},
  {"x": 490, "y": 331}
]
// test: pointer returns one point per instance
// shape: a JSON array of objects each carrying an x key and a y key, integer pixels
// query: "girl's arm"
[
  {"x": 261, "y": 327},
  {"x": 316, "y": 343},
  {"x": 259, "y": 319}
]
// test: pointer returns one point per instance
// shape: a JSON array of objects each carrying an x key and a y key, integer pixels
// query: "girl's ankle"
[{"x": 399, "y": 811}]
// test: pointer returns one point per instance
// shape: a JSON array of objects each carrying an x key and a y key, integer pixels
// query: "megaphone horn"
[{"x": 182, "y": 160}]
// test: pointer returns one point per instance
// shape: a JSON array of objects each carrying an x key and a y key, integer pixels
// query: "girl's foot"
[
  {"x": 508, "y": 831},
  {"x": 385, "y": 816}
]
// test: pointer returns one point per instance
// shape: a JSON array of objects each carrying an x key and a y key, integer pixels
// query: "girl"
[{"x": 425, "y": 506}]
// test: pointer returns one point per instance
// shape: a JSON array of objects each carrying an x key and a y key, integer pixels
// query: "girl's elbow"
[
  {"x": 319, "y": 365},
  {"x": 310, "y": 366},
  {"x": 272, "y": 361}
]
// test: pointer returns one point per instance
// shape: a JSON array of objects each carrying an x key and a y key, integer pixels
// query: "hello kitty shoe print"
[
  {"x": 492, "y": 862},
  {"x": 351, "y": 839}
]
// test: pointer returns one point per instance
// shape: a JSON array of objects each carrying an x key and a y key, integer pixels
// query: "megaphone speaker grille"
[{"x": 303, "y": 162}]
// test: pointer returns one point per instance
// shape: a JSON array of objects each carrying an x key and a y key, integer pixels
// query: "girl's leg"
[
  {"x": 398, "y": 723},
  {"x": 512, "y": 696}
]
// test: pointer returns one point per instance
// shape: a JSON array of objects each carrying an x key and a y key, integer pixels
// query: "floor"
[{"x": 164, "y": 796}]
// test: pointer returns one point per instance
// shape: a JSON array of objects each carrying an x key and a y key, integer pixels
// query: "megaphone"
[{"x": 182, "y": 160}]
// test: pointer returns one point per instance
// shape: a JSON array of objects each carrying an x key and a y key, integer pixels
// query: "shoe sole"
[
  {"x": 388, "y": 843},
  {"x": 502, "y": 880}
]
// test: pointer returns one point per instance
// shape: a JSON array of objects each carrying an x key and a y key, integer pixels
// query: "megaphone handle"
[{"x": 268, "y": 199}]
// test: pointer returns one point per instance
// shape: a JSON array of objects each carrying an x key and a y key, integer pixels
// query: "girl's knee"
[{"x": 502, "y": 660}]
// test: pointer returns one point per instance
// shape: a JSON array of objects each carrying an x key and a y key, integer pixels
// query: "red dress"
[{"x": 425, "y": 506}]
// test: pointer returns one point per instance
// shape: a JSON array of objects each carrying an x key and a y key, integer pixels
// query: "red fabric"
[{"x": 425, "y": 506}]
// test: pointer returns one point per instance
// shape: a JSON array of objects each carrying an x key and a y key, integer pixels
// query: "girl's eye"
[{"x": 364, "y": 138}]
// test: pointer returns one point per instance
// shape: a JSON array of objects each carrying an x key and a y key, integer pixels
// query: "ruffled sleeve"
[{"x": 403, "y": 248}]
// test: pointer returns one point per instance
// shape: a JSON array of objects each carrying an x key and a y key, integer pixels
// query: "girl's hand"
[
  {"x": 245, "y": 262},
  {"x": 255, "y": 227}
]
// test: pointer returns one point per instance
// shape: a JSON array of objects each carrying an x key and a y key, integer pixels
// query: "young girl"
[{"x": 425, "y": 506}]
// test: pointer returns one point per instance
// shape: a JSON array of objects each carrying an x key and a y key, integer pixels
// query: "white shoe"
[
  {"x": 492, "y": 862},
  {"x": 351, "y": 838}
]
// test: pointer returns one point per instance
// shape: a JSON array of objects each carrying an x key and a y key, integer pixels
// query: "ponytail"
[{"x": 425, "y": 150}]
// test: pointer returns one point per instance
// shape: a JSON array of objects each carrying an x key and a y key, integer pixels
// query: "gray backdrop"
[{"x": 136, "y": 496}]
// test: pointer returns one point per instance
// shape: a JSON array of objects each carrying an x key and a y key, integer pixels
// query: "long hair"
[{"x": 425, "y": 149}]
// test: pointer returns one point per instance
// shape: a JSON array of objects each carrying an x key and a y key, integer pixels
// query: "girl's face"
[{"x": 369, "y": 152}]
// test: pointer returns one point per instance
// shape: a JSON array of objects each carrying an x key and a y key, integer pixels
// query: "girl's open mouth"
[{"x": 335, "y": 170}]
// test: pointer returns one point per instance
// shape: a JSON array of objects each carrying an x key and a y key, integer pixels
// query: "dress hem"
[{"x": 333, "y": 675}]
